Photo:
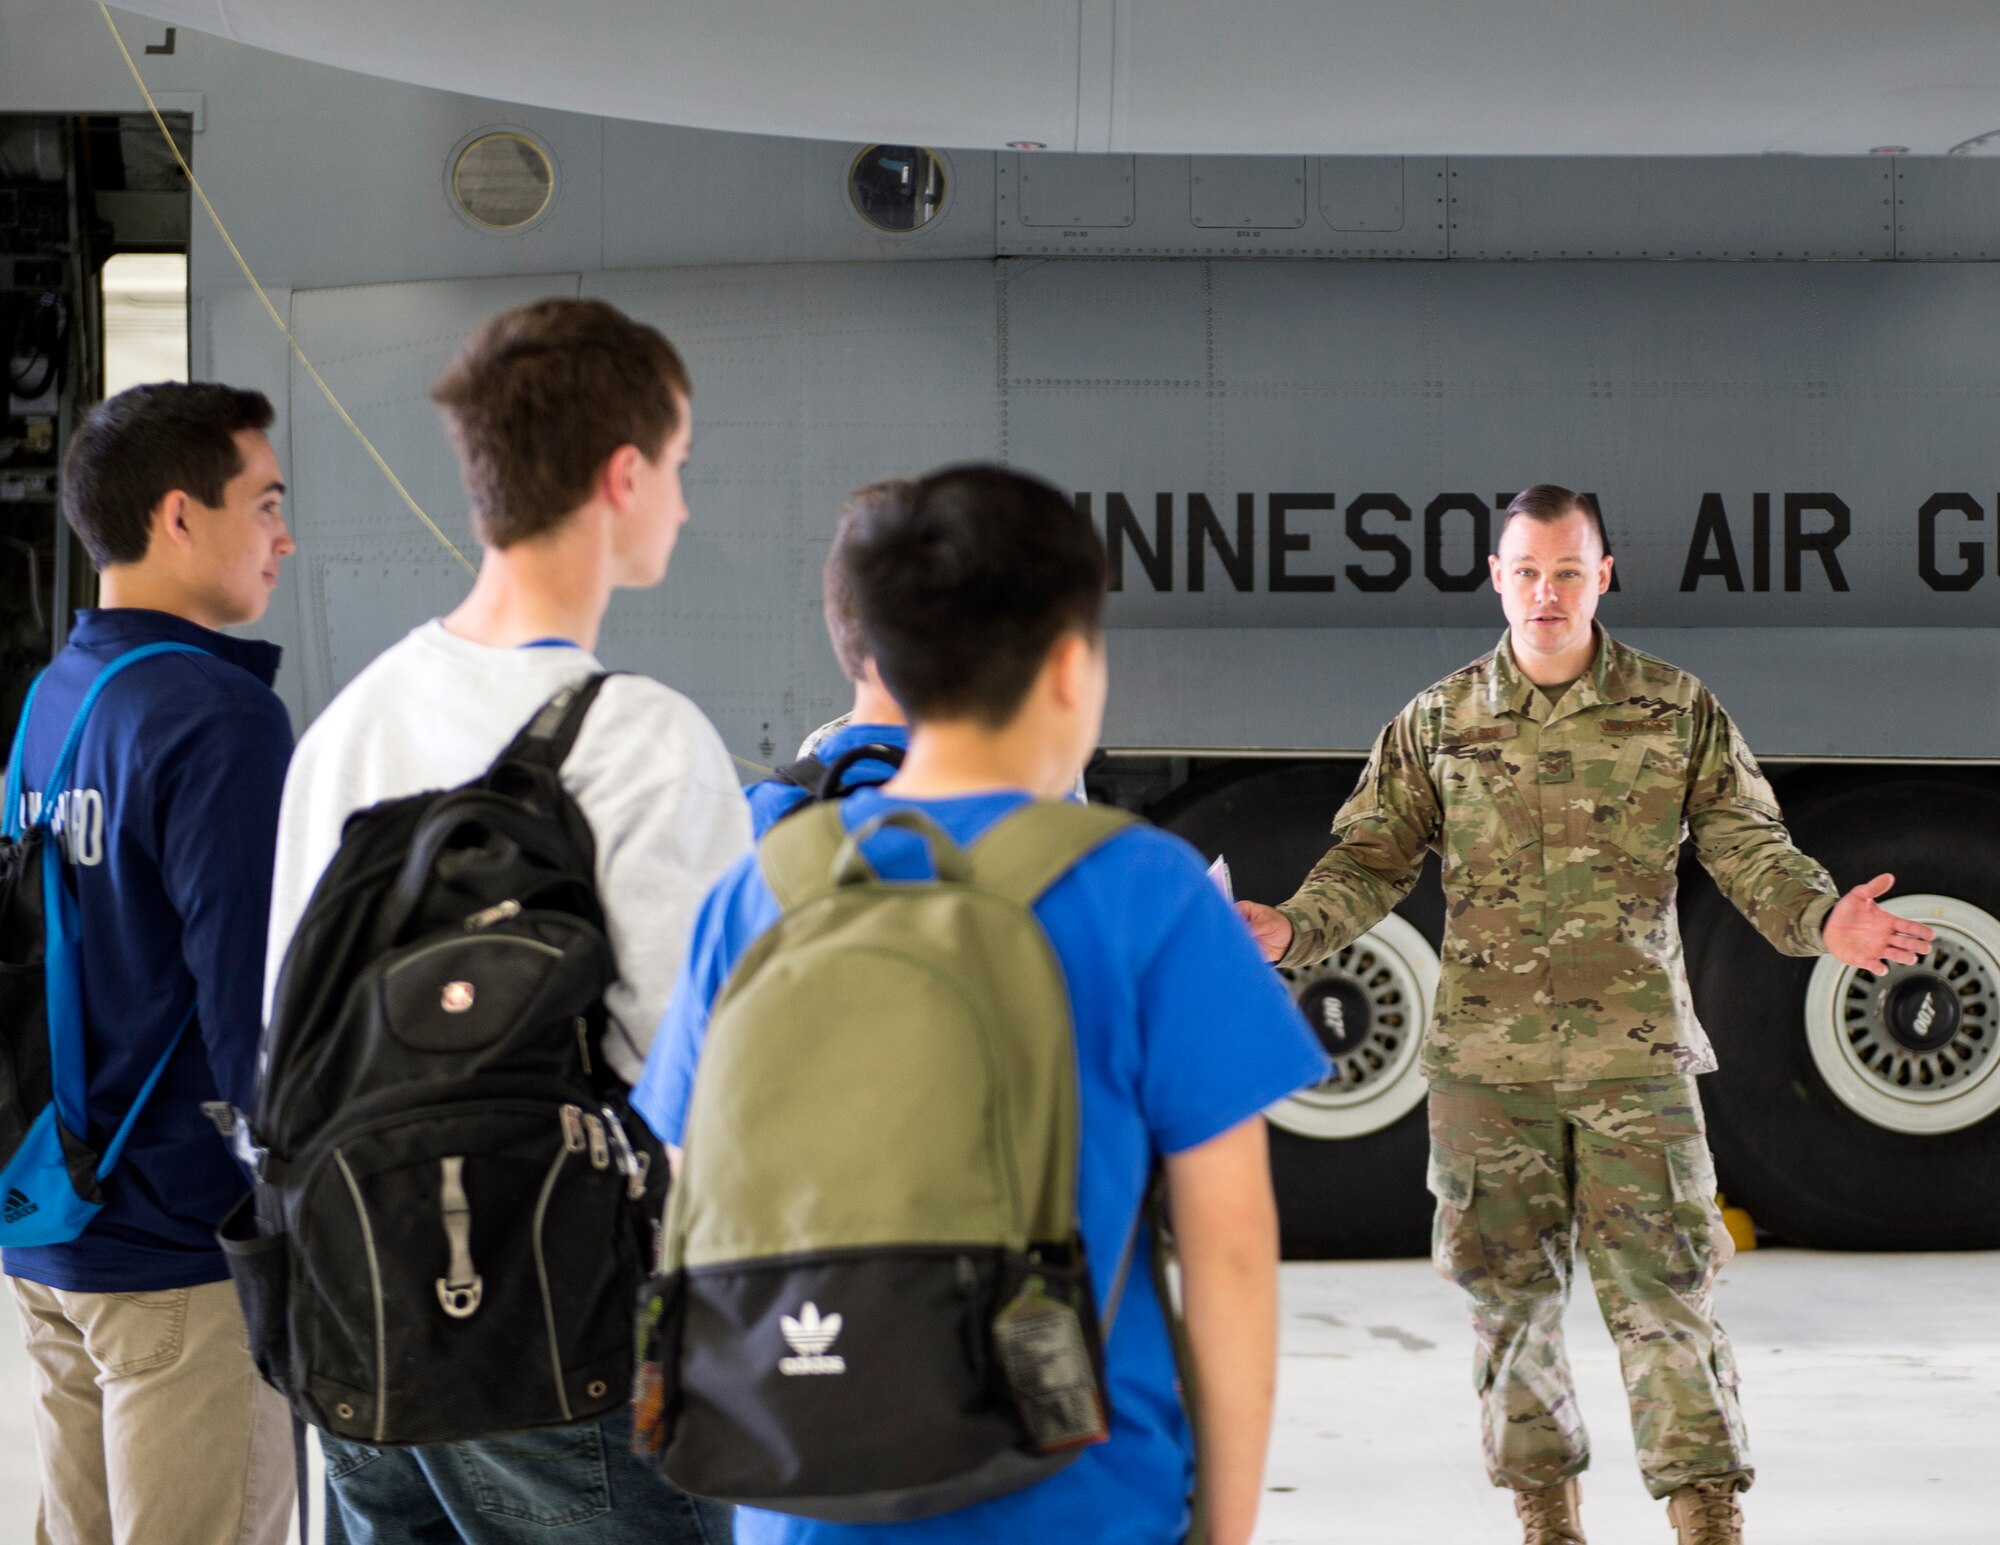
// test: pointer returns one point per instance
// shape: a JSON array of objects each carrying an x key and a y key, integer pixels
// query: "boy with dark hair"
[
  {"x": 150, "y": 1421},
  {"x": 876, "y": 719},
  {"x": 980, "y": 598},
  {"x": 571, "y": 423}
]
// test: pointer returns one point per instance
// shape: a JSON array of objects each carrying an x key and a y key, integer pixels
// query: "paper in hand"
[{"x": 1219, "y": 873}]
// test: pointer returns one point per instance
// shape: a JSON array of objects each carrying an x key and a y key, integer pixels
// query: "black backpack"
[
  {"x": 452, "y": 1214},
  {"x": 825, "y": 781}
]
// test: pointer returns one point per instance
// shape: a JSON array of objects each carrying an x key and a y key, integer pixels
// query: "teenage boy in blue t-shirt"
[
  {"x": 150, "y": 1421},
  {"x": 876, "y": 719},
  {"x": 980, "y": 598}
]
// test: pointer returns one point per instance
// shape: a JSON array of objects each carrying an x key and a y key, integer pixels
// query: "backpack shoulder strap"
[
  {"x": 65, "y": 763},
  {"x": 797, "y": 854},
  {"x": 1028, "y": 850},
  {"x": 805, "y": 773},
  {"x": 548, "y": 737},
  {"x": 830, "y": 785}
]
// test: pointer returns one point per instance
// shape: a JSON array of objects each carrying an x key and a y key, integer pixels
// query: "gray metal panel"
[
  {"x": 231, "y": 336},
  {"x": 1074, "y": 190},
  {"x": 1164, "y": 197},
  {"x": 809, "y": 381},
  {"x": 1362, "y": 193},
  {"x": 367, "y": 571},
  {"x": 1794, "y": 691},
  {"x": 695, "y": 196},
  {"x": 1529, "y": 77},
  {"x": 1772, "y": 207},
  {"x": 327, "y": 179},
  {"x": 1948, "y": 208},
  {"x": 1236, "y": 191},
  {"x": 1651, "y": 385},
  {"x": 971, "y": 75}
]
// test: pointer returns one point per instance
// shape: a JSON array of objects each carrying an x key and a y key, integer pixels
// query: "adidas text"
[
  {"x": 810, "y": 1336},
  {"x": 799, "y": 1367}
]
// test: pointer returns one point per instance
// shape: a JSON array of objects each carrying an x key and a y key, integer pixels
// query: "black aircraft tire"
[
  {"x": 1360, "y": 1196},
  {"x": 1789, "y": 1149}
]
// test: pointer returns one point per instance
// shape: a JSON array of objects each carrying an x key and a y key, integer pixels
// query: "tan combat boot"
[
  {"x": 1548, "y": 1514},
  {"x": 1706, "y": 1513}
]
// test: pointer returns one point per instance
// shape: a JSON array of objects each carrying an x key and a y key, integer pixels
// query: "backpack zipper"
[
  {"x": 500, "y": 912},
  {"x": 375, "y": 1288},
  {"x": 563, "y": 1151},
  {"x": 452, "y": 944}
]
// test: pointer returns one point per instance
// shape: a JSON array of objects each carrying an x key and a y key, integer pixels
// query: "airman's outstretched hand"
[{"x": 1868, "y": 937}]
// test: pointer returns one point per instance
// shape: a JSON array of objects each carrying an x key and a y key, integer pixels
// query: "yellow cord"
[{"x": 228, "y": 241}]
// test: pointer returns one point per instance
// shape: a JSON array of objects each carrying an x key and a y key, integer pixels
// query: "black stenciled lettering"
[
  {"x": 1973, "y": 554},
  {"x": 1760, "y": 542},
  {"x": 1155, "y": 557},
  {"x": 1711, "y": 530},
  {"x": 1378, "y": 542},
  {"x": 1283, "y": 542},
  {"x": 1204, "y": 530},
  {"x": 1799, "y": 541},
  {"x": 1470, "y": 505}
]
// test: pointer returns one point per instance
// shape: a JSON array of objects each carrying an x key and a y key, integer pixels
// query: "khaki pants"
[{"x": 151, "y": 1424}]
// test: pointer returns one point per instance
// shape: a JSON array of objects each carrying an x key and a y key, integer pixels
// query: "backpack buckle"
[{"x": 631, "y": 1164}]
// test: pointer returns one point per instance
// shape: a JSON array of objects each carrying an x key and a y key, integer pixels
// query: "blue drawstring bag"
[{"x": 51, "y": 1179}]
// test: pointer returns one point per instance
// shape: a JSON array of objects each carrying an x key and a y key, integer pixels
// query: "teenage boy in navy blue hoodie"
[
  {"x": 150, "y": 1422},
  {"x": 875, "y": 719}
]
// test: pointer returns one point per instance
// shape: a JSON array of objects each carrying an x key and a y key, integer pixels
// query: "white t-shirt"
[{"x": 648, "y": 771}]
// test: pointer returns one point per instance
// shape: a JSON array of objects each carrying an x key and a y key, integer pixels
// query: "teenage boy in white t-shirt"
[{"x": 571, "y": 423}]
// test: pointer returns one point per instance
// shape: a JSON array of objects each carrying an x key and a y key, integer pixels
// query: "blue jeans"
[{"x": 581, "y": 1485}]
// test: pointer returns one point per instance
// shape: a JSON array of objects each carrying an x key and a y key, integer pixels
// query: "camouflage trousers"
[{"x": 1521, "y": 1172}]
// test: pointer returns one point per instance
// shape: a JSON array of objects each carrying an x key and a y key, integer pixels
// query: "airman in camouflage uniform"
[{"x": 1564, "y": 1046}]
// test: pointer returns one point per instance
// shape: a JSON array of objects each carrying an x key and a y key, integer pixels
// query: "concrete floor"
[{"x": 1871, "y": 1383}]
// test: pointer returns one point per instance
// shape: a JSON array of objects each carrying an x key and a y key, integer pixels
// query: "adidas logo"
[
  {"x": 810, "y": 1337},
  {"x": 19, "y": 1206}
]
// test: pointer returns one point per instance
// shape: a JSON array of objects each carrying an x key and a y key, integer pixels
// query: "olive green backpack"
[{"x": 874, "y": 1303}]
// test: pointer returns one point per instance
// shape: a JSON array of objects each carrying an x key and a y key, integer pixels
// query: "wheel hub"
[
  {"x": 1915, "y": 1049},
  {"x": 1340, "y": 1014},
  {"x": 1921, "y": 1013}
]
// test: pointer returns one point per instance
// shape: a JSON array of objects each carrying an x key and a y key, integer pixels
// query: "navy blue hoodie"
[{"x": 174, "y": 806}]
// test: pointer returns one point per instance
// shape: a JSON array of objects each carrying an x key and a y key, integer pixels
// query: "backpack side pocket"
[{"x": 260, "y": 1265}]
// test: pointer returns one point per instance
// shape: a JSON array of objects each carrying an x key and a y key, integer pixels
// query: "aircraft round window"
[
  {"x": 897, "y": 188},
  {"x": 503, "y": 181}
]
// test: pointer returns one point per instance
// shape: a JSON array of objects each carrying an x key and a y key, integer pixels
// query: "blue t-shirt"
[
  {"x": 1182, "y": 1032},
  {"x": 174, "y": 810},
  {"x": 774, "y": 798}
]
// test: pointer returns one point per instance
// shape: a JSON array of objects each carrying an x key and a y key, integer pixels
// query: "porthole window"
[
  {"x": 502, "y": 181},
  {"x": 897, "y": 188}
]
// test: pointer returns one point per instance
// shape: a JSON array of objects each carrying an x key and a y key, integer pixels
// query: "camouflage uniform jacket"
[{"x": 1559, "y": 827}]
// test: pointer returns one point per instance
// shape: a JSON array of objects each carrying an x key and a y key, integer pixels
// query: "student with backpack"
[
  {"x": 930, "y": 1048},
  {"x": 571, "y": 424},
  {"x": 835, "y": 758},
  {"x": 146, "y": 772}
]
